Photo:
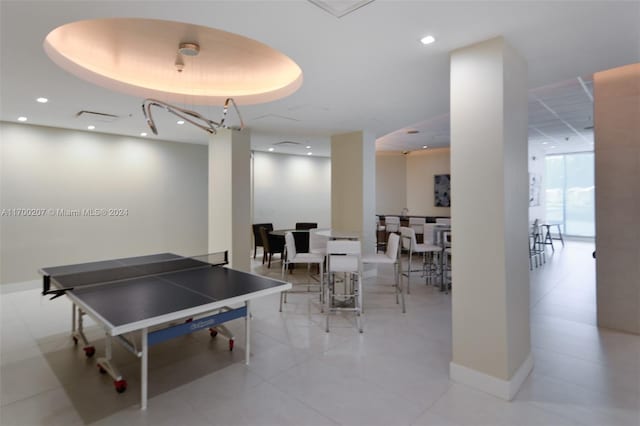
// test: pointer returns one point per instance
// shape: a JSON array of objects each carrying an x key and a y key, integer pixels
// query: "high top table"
[{"x": 333, "y": 234}]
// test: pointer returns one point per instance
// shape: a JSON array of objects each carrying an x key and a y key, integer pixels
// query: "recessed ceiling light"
[
  {"x": 143, "y": 134},
  {"x": 308, "y": 146},
  {"x": 545, "y": 143},
  {"x": 424, "y": 147},
  {"x": 271, "y": 149},
  {"x": 22, "y": 118},
  {"x": 553, "y": 146},
  {"x": 42, "y": 100},
  {"x": 180, "y": 122},
  {"x": 427, "y": 39},
  {"x": 91, "y": 127},
  {"x": 309, "y": 153}
]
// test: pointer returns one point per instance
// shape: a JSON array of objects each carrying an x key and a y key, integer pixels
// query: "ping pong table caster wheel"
[
  {"x": 120, "y": 385},
  {"x": 89, "y": 351},
  {"x": 213, "y": 332},
  {"x": 75, "y": 340},
  {"x": 101, "y": 369},
  {"x": 230, "y": 344}
]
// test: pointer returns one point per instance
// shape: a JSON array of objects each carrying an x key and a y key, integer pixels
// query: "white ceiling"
[
  {"x": 366, "y": 70},
  {"x": 560, "y": 121}
]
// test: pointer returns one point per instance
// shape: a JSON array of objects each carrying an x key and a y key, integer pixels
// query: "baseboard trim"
[{"x": 505, "y": 389}]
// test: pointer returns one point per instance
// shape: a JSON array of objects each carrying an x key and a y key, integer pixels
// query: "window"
[{"x": 570, "y": 193}]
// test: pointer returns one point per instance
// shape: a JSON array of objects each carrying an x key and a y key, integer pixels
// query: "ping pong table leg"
[
  {"x": 77, "y": 331},
  {"x": 247, "y": 330},
  {"x": 144, "y": 370},
  {"x": 105, "y": 366}
]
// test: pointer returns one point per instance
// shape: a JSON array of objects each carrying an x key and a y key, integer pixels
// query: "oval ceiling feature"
[{"x": 142, "y": 57}]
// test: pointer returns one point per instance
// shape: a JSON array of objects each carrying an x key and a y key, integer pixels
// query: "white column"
[
  {"x": 230, "y": 196},
  {"x": 490, "y": 306},
  {"x": 617, "y": 162},
  {"x": 353, "y": 180}
]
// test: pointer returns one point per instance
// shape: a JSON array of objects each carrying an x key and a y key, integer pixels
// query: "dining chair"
[
  {"x": 306, "y": 225},
  {"x": 390, "y": 257},
  {"x": 292, "y": 257},
  {"x": 257, "y": 239},
  {"x": 270, "y": 245},
  {"x": 410, "y": 244},
  {"x": 344, "y": 258},
  {"x": 392, "y": 224}
]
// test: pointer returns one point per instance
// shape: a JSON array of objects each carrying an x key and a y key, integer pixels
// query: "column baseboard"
[{"x": 505, "y": 389}]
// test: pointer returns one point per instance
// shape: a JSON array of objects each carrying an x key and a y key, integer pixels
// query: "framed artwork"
[{"x": 442, "y": 190}]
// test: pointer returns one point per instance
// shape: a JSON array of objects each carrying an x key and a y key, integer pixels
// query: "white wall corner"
[{"x": 505, "y": 389}]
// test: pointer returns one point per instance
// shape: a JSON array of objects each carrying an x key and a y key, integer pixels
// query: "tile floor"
[{"x": 396, "y": 373}]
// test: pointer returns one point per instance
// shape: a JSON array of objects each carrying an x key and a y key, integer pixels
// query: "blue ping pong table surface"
[{"x": 107, "y": 288}]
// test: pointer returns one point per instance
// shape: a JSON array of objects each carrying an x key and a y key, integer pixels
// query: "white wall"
[
  {"x": 162, "y": 185},
  {"x": 406, "y": 180},
  {"x": 291, "y": 188},
  {"x": 391, "y": 182},
  {"x": 422, "y": 166}
]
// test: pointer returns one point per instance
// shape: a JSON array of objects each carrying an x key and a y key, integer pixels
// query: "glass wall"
[{"x": 570, "y": 193}]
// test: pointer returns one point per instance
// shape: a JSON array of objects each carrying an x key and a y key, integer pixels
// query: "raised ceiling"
[
  {"x": 141, "y": 57},
  {"x": 365, "y": 70}
]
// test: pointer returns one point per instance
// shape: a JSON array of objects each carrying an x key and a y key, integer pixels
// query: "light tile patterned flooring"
[{"x": 396, "y": 373}]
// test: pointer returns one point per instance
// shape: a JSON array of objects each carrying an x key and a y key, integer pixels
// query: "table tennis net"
[{"x": 65, "y": 282}]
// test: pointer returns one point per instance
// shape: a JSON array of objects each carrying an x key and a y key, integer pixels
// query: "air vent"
[
  {"x": 275, "y": 116},
  {"x": 93, "y": 116},
  {"x": 340, "y": 8},
  {"x": 287, "y": 143}
]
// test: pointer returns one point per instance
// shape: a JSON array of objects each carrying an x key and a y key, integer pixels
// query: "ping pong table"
[{"x": 145, "y": 300}]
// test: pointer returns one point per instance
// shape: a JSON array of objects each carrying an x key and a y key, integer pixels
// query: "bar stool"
[
  {"x": 417, "y": 224},
  {"x": 344, "y": 257},
  {"x": 537, "y": 254},
  {"x": 293, "y": 257},
  {"x": 410, "y": 244},
  {"x": 548, "y": 238},
  {"x": 391, "y": 257}
]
